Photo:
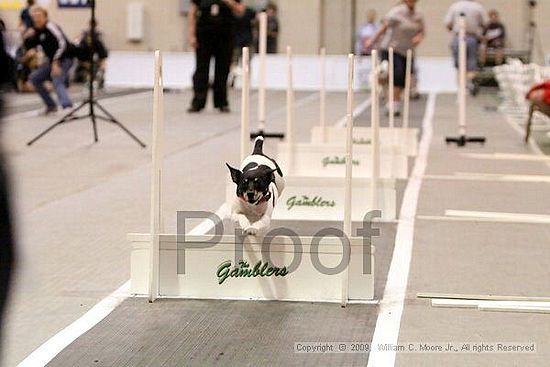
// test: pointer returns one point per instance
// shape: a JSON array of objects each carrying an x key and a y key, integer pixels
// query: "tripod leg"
[
  {"x": 67, "y": 117},
  {"x": 110, "y": 117},
  {"x": 113, "y": 120},
  {"x": 94, "y": 125}
]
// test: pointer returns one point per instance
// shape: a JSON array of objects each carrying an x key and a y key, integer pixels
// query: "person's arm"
[
  {"x": 420, "y": 35},
  {"x": 192, "y": 26},
  {"x": 274, "y": 31},
  {"x": 236, "y": 7},
  {"x": 61, "y": 48},
  {"x": 372, "y": 41},
  {"x": 449, "y": 19}
]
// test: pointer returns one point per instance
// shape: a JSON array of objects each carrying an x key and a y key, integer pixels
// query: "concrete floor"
[{"x": 75, "y": 202}]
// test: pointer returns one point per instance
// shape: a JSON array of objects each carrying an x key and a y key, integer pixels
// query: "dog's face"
[{"x": 253, "y": 183}]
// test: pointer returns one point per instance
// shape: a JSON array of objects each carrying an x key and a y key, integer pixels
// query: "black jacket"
[{"x": 53, "y": 42}]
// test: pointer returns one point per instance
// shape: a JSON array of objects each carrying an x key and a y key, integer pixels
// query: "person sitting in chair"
[{"x": 539, "y": 96}]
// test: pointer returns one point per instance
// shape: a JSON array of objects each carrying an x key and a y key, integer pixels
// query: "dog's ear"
[
  {"x": 235, "y": 174},
  {"x": 271, "y": 174}
]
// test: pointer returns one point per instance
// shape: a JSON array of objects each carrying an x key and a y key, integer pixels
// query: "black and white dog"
[{"x": 259, "y": 184}]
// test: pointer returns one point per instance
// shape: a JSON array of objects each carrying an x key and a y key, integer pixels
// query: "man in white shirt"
[{"x": 477, "y": 20}]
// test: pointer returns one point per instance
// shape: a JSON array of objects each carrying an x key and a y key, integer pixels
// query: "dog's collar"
[{"x": 264, "y": 199}]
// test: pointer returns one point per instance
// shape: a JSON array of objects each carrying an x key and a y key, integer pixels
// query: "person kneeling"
[{"x": 59, "y": 51}]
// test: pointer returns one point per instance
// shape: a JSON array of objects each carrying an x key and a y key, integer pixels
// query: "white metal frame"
[{"x": 154, "y": 259}]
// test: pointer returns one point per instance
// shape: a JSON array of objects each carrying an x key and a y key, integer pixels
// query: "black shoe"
[
  {"x": 49, "y": 111},
  {"x": 473, "y": 87},
  {"x": 193, "y": 109},
  {"x": 224, "y": 109}
]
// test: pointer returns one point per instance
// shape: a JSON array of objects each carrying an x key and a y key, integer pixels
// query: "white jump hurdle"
[
  {"x": 314, "y": 175},
  {"x": 398, "y": 141},
  {"x": 294, "y": 269}
]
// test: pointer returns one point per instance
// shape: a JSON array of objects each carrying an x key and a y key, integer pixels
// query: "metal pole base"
[
  {"x": 267, "y": 135},
  {"x": 462, "y": 140}
]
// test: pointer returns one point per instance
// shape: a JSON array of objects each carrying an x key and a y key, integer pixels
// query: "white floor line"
[
  {"x": 55, "y": 345},
  {"x": 521, "y": 132},
  {"x": 491, "y": 177},
  {"x": 471, "y": 303},
  {"x": 499, "y": 216},
  {"x": 47, "y": 351},
  {"x": 358, "y": 110},
  {"x": 507, "y": 157},
  {"x": 388, "y": 323}
]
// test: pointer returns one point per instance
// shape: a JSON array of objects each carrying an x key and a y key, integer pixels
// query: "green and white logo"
[
  {"x": 244, "y": 270},
  {"x": 337, "y": 161},
  {"x": 361, "y": 141},
  {"x": 316, "y": 201}
]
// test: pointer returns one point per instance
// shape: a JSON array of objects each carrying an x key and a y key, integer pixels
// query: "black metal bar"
[
  {"x": 462, "y": 140},
  {"x": 262, "y": 133}
]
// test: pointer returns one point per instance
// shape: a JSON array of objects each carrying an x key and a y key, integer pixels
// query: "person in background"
[
  {"x": 539, "y": 95},
  {"x": 244, "y": 37},
  {"x": 272, "y": 28},
  {"x": 366, "y": 33},
  {"x": 59, "y": 53},
  {"x": 476, "y": 20},
  {"x": 406, "y": 32},
  {"x": 494, "y": 39},
  {"x": 25, "y": 19},
  {"x": 85, "y": 53},
  {"x": 211, "y": 33}
]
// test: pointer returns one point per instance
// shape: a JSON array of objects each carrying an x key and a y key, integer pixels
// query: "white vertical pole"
[
  {"x": 375, "y": 126},
  {"x": 407, "y": 97},
  {"x": 391, "y": 105},
  {"x": 391, "y": 88},
  {"x": 245, "y": 105},
  {"x": 156, "y": 179},
  {"x": 462, "y": 77},
  {"x": 262, "y": 70},
  {"x": 290, "y": 138},
  {"x": 323, "y": 96},
  {"x": 349, "y": 171}
]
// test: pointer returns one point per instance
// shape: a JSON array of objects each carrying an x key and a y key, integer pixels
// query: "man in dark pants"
[
  {"x": 211, "y": 34},
  {"x": 59, "y": 52}
]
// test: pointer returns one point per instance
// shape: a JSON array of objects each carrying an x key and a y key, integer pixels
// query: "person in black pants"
[{"x": 211, "y": 34}]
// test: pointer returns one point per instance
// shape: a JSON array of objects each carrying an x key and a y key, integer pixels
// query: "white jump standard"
[
  {"x": 314, "y": 175},
  {"x": 398, "y": 141},
  {"x": 261, "y": 85},
  {"x": 462, "y": 139},
  {"x": 332, "y": 267}
]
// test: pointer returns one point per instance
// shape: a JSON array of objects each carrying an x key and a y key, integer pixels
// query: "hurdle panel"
[
  {"x": 201, "y": 269},
  {"x": 328, "y": 160},
  {"x": 404, "y": 141},
  {"x": 322, "y": 199}
]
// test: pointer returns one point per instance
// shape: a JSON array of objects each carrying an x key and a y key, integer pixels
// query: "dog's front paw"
[{"x": 251, "y": 231}]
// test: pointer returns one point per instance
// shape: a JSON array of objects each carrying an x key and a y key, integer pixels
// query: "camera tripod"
[{"x": 91, "y": 101}]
